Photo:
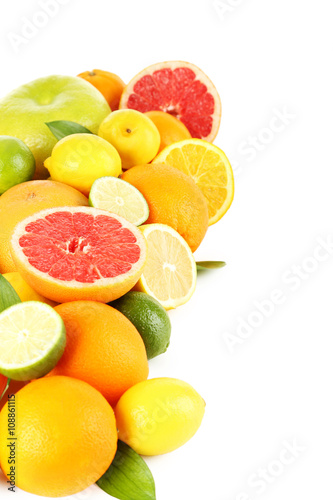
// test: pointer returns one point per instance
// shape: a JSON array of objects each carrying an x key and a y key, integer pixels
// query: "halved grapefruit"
[
  {"x": 78, "y": 253},
  {"x": 181, "y": 89}
]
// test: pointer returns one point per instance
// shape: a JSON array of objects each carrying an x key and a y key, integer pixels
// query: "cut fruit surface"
[
  {"x": 119, "y": 197},
  {"x": 170, "y": 273},
  {"x": 78, "y": 253},
  {"x": 209, "y": 168},
  {"x": 181, "y": 89},
  {"x": 32, "y": 340}
]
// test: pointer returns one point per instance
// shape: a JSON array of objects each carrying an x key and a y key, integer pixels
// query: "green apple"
[{"x": 25, "y": 110}]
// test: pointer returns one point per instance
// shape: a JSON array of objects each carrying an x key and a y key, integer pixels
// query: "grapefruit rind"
[
  {"x": 200, "y": 75},
  {"x": 212, "y": 177},
  {"x": 155, "y": 254},
  {"x": 103, "y": 290},
  {"x": 32, "y": 340}
]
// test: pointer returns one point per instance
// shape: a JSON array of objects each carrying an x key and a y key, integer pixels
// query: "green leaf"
[
  {"x": 8, "y": 296},
  {"x": 62, "y": 128},
  {"x": 128, "y": 477},
  {"x": 7, "y": 385},
  {"x": 210, "y": 264}
]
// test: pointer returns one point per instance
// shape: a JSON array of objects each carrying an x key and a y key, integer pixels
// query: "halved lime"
[
  {"x": 119, "y": 197},
  {"x": 32, "y": 340}
]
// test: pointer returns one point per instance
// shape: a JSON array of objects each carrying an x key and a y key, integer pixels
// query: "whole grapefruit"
[
  {"x": 25, "y": 199},
  {"x": 25, "y": 110}
]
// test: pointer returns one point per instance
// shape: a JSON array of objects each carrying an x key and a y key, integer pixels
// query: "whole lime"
[
  {"x": 149, "y": 318},
  {"x": 25, "y": 110},
  {"x": 17, "y": 163}
]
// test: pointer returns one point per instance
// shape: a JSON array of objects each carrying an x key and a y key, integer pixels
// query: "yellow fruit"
[
  {"x": 79, "y": 159},
  {"x": 170, "y": 128},
  {"x": 209, "y": 168},
  {"x": 24, "y": 291},
  {"x": 159, "y": 415},
  {"x": 170, "y": 271},
  {"x": 26, "y": 199},
  {"x": 133, "y": 134},
  {"x": 66, "y": 436}
]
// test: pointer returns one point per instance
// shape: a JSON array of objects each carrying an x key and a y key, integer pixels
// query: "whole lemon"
[
  {"x": 133, "y": 134},
  {"x": 79, "y": 159},
  {"x": 66, "y": 436},
  {"x": 159, "y": 415}
]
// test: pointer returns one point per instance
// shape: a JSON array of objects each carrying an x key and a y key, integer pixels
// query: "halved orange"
[{"x": 209, "y": 168}]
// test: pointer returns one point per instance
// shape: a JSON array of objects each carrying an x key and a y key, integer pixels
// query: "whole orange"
[
  {"x": 26, "y": 199},
  {"x": 170, "y": 128},
  {"x": 66, "y": 436},
  {"x": 173, "y": 198},
  {"x": 109, "y": 84},
  {"x": 103, "y": 348}
]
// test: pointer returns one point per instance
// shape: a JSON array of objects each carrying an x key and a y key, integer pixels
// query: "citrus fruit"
[
  {"x": 209, "y": 168},
  {"x": 75, "y": 253},
  {"x": 32, "y": 340},
  {"x": 103, "y": 348},
  {"x": 119, "y": 197},
  {"x": 17, "y": 163},
  {"x": 159, "y": 415},
  {"x": 173, "y": 199},
  {"x": 170, "y": 272},
  {"x": 109, "y": 84},
  {"x": 149, "y": 318},
  {"x": 24, "y": 112},
  {"x": 24, "y": 291},
  {"x": 79, "y": 159},
  {"x": 181, "y": 89},
  {"x": 26, "y": 199},
  {"x": 133, "y": 134},
  {"x": 170, "y": 128},
  {"x": 66, "y": 436}
]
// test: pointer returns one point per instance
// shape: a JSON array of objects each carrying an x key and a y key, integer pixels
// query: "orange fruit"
[
  {"x": 209, "y": 168},
  {"x": 173, "y": 199},
  {"x": 109, "y": 84},
  {"x": 181, "y": 89},
  {"x": 26, "y": 199},
  {"x": 78, "y": 253},
  {"x": 170, "y": 128},
  {"x": 66, "y": 436},
  {"x": 103, "y": 348}
]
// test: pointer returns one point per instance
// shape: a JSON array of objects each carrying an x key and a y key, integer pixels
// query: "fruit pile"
[{"x": 106, "y": 191}]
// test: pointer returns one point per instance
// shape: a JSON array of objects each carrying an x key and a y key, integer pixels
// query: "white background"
[{"x": 264, "y": 57}]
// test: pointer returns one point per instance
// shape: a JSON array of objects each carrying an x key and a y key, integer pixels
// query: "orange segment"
[{"x": 209, "y": 168}]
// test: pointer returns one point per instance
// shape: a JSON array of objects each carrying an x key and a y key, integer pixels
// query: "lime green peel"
[{"x": 32, "y": 340}]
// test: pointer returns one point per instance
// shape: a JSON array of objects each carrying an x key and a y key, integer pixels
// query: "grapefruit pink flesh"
[
  {"x": 180, "y": 89},
  {"x": 81, "y": 250}
]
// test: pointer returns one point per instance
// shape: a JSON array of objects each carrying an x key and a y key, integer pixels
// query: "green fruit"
[
  {"x": 149, "y": 318},
  {"x": 17, "y": 163},
  {"x": 24, "y": 111},
  {"x": 32, "y": 340}
]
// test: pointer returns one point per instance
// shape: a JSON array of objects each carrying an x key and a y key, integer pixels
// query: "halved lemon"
[
  {"x": 170, "y": 271},
  {"x": 209, "y": 168}
]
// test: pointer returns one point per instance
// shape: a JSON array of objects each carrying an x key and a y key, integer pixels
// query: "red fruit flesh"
[{"x": 79, "y": 246}]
